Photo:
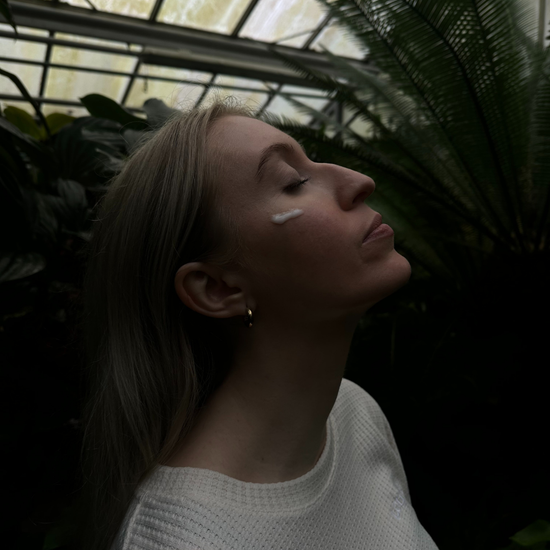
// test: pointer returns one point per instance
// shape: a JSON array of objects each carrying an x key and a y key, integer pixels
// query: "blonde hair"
[{"x": 150, "y": 362}]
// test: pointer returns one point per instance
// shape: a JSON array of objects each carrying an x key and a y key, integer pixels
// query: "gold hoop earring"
[{"x": 248, "y": 319}]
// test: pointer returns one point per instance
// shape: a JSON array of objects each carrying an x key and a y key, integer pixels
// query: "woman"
[{"x": 206, "y": 432}]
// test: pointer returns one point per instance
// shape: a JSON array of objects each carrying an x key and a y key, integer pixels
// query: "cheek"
[{"x": 305, "y": 242}]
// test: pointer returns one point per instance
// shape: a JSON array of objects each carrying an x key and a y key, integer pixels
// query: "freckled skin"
[{"x": 310, "y": 282}]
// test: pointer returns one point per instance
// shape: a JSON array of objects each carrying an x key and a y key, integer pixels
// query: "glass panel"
[
  {"x": 21, "y": 49},
  {"x": 339, "y": 41},
  {"x": 65, "y": 109},
  {"x": 288, "y": 89},
  {"x": 347, "y": 114},
  {"x": 30, "y": 75},
  {"x": 24, "y": 30},
  {"x": 250, "y": 99},
  {"x": 67, "y": 84},
  {"x": 179, "y": 96},
  {"x": 92, "y": 60},
  {"x": 79, "y": 3},
  {"x": 275, "y": 20},
  {"x": 219, "y": 16},
  {"x": 362, "y": 127},
  {"x": 280, "y": 106},
  {"x": 25, "y": 105},
  {"x": 133, "y": 8},
  {"x": 238, "y": 81},
  {"x": 170, "y": 72}
]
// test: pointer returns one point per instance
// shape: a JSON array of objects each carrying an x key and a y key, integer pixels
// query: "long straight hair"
[{"x": 150, "y": 362}]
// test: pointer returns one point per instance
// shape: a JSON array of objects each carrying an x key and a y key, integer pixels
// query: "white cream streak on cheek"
[{"x": 284, "y": 216}]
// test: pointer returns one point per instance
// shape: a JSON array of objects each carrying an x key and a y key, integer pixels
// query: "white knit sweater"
[{"x": 355, "y": 498}]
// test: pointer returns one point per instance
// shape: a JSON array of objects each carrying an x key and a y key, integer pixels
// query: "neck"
[{"x": 267, "y": 421}]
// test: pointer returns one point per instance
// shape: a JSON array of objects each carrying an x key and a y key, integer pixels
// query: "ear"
[{"x": 210, "y": 291}]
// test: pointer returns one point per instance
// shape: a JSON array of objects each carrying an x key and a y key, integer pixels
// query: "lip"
[{"x": 377, "y": 222}]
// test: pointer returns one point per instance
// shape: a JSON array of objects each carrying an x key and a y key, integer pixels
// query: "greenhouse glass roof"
[{"x": 183, "y": 52}]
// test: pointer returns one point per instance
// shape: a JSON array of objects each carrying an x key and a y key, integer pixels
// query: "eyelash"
[{"x": 295, "y": 186}]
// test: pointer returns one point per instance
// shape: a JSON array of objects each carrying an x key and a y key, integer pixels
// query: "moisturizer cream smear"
[{"x": 284, "y": 216}]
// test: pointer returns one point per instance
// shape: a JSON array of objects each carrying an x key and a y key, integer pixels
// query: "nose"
[
  {"x": 361, "y": 188},
  {"x": 351, "y": 187}
]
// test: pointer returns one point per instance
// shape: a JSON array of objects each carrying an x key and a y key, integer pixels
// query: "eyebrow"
[{"x": 268, "y": 152}]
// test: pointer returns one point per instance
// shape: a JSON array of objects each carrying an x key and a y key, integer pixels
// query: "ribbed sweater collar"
[{"x": 213, "y": 487}]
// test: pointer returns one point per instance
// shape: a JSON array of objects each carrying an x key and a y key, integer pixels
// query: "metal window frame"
[{"x": 171, "y": 46}]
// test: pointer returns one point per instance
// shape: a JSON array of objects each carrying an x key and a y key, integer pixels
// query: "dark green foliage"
[{"x": 50, "y": 180}]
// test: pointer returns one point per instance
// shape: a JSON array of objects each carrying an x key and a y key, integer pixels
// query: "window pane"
[
  {"x": 280, "y": 106},
  {"x": 339, "y": 41},
  {"x": 25, "y": 105},
  {"x": 347, "y": 115},
  {"x": 273, "y": 20},
  {"x": 24, "y": 30},
  {"x": 68, "y": 84},
  {"x": 65, "y": 109},
  {"x": 92, "y": 60},
  {"x": 79, "y": 4},
  {"x": 241, "y": 82},
  {"x": 289, "y": 89},
  {"x": 133, "y": 8},
  {"x": 178, "y": 96},
  {"x": 30, "y": 75},
  {"x": 21, "y": 49},
  {"x": 362, "y": 127},
  {"x": 219, "y": 16}
]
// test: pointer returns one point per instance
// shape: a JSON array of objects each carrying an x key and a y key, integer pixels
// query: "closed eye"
[{"x": 294, "y": 186}]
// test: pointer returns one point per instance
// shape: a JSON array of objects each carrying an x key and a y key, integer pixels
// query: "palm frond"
[{"x": 465, "y": 61}]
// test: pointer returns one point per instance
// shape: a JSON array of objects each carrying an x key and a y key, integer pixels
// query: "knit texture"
[{"x": 355, "y": 498}]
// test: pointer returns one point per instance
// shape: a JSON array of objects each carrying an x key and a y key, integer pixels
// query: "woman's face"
[{"x": 312, "y": 267}]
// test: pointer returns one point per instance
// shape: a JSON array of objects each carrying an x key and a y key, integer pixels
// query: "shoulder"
[
  {"x": 357, "y": 408},
  {"x": 352, "y": 395}
]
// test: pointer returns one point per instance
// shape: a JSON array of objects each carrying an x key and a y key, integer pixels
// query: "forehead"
[{"x": 243, "y": 139}]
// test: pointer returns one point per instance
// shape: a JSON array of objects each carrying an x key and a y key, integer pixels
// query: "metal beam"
[
  {"x": 77, "y": 68},
  {"x": 174, "y": 46},
  {"x": 49, "y": 100}
]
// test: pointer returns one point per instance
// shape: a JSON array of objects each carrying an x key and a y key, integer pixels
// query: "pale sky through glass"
[
  {"x": 132, "y": 8},
  {"x": 269, "y": 21},
  {"x": 272, "y": 20},
  {"x": 219, "y": 16}
]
